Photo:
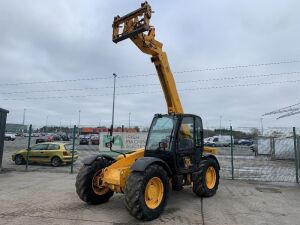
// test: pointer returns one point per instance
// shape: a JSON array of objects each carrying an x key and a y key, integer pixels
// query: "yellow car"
[{"x": 49, "y": 152}]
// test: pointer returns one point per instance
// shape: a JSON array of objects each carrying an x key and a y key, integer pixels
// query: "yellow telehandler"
[{"x": 174, "y": 154}]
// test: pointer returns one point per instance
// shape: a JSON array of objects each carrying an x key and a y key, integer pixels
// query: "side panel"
[
  {"x": 115, "y": 175},
  {"x": 89, "y": 160}
]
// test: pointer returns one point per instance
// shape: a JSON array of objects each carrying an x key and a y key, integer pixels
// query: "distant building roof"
[{"x": 13, "y": 127}]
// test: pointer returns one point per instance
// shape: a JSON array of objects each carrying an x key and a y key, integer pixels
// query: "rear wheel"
[
  {"x": 89, "y": 184},
  {"x": 19, "y": 160},
  {"x": 207, "y": 180},
  {"x": 55, "y": 161},
  {"x": 146, "y": 192}
]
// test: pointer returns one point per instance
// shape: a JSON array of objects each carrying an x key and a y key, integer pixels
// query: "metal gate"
[{"x": 3, "y": 115}]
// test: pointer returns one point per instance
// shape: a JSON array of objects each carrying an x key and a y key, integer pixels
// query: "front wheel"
[
  {"x": 207, "y": 180},
  {"x": 19, "y": 160},
  {"x": 89, "y": 184},
  {"x": 146, "y": 192}
]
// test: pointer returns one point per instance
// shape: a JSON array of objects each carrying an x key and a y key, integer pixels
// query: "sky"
[{"x": 49, "y": 49}]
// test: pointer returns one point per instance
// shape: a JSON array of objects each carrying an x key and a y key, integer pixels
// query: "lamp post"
[
  {"x": 129, "y": 119},
  {"x": 79, "y": 122},
  {"x": 114, "y": 96},
  {"x": 262, "y": 127}
]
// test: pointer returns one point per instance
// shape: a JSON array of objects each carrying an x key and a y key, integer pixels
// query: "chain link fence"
[
  {"x": 273, "y": 157},
  {"x": 243, "y": 153}
]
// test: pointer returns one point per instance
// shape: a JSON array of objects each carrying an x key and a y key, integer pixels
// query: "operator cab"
[{"x": 177, "y": 139}]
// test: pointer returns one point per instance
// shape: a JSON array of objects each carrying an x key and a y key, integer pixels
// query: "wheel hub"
[
  {"x": 210, "y": 177},
  {"x": 154, "y": 192},
  {"x": 97, "y": 186}
]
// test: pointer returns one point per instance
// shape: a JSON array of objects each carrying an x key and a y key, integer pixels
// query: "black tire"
[
  {"x": 84, "y": 181},
  {"x": 135, "y": 193},
  {"x": 19, "y": 160},
  {"x": 200, "y": 187},
  {"x": 56, "y": 161}
]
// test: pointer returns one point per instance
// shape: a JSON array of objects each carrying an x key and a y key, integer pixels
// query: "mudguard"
[
  {"x": 89, "y": 160},
  {"x": 142, "y": 164},
  {"x": 213, "y": 157}
]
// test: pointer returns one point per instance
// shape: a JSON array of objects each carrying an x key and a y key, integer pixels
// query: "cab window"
[
  {"x": 69, "y": 147},
  {"x": 53, "y": 147},
  {"x": 186, "y": 134},
  {"x": 40, "y": 147},
  {"x": 198, "y": 132}
]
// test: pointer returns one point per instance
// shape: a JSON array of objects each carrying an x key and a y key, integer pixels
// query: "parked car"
[
  {"x": 83, "y": 141},
  {"x": 9, "y": 137},
  {"x": 65, "y": 138},
  {"x": 56, "y": 137},
  {"x": 35, "y": 135},
  {"x": 44, "y": 139},
  {"x": 53, "y": 153},
  {"x": 95, "y": 140},
  {"x": 245, "y": 142},
  {"x": 218, "y": 141}
]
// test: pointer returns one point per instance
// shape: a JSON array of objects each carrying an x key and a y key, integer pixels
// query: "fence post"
[
  {"x": 231, "y": 149},
  {"x": 73, "y": 148},
  {"x": 28, "y": 146},
  {"x": 298, "y": 148},
  {"x": 296, "y": 154},
  {"x": 272, "y": 143}
]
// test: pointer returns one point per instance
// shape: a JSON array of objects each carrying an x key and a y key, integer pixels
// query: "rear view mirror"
[
  {"x": 163, "y": 145},
  {"x": 110, "y": 143}
]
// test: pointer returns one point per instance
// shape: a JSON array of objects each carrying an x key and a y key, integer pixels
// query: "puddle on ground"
[{"x": 268, "y": 190}]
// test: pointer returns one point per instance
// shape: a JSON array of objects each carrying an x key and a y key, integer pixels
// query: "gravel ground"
[{"x": 49, "y": 198}]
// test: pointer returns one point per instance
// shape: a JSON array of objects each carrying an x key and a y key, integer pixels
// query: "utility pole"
[
  {"x": 262, "y": 127},
  {"x": 24, "y": 112},
  {"x": 46, "y": 128},
  {"x": 79, "y": 122},
  {"x": 220, "y": 124},
  {"x": 59, "y": 125},
  {"x": 129, "y": 120},
  {"x": 207, "y": 129}
]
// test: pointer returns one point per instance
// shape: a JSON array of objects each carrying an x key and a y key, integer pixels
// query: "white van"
[{"x": 219, "y": 141}]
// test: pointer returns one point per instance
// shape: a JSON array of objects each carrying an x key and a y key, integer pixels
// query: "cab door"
[
  {"x": 37, "y": 153},
  {"x": 185, "y": 150},
  {"x": 51, "y": 151}
]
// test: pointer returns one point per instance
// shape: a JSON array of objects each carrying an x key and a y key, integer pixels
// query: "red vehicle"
[
  {"x": 95, "y": 140},
  {"x": 44, "y": 139}
]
